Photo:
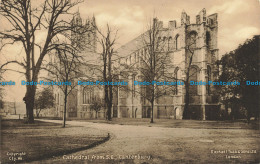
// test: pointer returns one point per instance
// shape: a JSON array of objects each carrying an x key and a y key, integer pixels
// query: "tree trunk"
[
  {"x": 106, "y": 100},
  {"x": 65, "y": 106},
  {"x": 38, "y": 112},
  {"x": 29, "y": 101},
  {"x": 110, "y": 103},
  {"x": 152, "y": 103},
  {"x": 186, "y": 102},
  {"x": 110, "y": 91},
  {"x": 109, "y": 112}
]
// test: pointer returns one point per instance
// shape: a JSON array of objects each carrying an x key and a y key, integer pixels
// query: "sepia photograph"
[{"x": 129, "y": 81}]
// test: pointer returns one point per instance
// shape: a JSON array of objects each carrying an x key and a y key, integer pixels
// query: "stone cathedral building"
[
  {"x": 130, "y": 104},
  {"x": 203, "y": 103}
]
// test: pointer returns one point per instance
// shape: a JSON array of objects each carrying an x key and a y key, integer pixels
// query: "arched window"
[
  {"x": 177, "y": 40},
  {"x": 208, "y": 39},
  {"x": 164, "y": 38},
  {"x": 192, "y": 41},
  {"x": 193, "y": 77},
  {"x": 208, "y": 79},
  {"x": 170, "y": 43},
  {"x": 88, "y": 95}
]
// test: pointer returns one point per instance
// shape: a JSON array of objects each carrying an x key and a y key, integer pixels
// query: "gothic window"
[
  {"x": 170, "y": 43},
  {"x": 88, "y": 95},
  {"x": 207, "y": 39},
  {"x": 192, "y": 40},
  {"x": 84, "y": 95},
  {"x": 165, "y": 44},
  {"x": 177, "y": 40},
  {"x": 164, "y": 38},
  {"x": 193, "y": 77},
  {"x": 208, "y": 79}
]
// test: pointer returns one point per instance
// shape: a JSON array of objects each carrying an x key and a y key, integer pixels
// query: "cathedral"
[{"x": 130, "y": 101}]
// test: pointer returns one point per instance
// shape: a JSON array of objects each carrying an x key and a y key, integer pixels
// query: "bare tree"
[
  {"x": 153, "y": 63},
  {"x": 107, "y": 42},
  {"x": 25, "y": 21},
  {"x": 66, "y": 71}
]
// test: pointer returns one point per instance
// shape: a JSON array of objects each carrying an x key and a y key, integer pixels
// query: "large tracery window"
[
  {"x": 88, "y": 95},
  {"x": 193, "y": 77}
]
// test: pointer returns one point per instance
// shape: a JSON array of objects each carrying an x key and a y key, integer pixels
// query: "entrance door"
[
  {"x": 177, "y": 113},
  {"x": 149, "y": 111}
]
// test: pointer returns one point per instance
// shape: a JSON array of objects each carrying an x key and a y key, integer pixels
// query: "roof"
[{"x": 136, "y": 44}]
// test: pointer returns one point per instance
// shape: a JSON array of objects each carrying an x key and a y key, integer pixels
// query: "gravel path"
[{"x": 140, "y": 144}]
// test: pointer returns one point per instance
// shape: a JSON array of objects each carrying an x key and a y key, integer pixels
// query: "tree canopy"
[
  {"x": 44, "y": 99},
  {"x": 242, "y": 65}
]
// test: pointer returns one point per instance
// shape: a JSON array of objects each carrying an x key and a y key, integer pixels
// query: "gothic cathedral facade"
[{"x": 128, "y": 103}]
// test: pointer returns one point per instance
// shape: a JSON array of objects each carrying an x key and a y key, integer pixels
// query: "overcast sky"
[{"x": 238, "y": 20}]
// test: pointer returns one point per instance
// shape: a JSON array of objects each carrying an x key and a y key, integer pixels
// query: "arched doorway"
[
  {"x": 177, "y": 113},
  {"x": 149, "y": 111}
]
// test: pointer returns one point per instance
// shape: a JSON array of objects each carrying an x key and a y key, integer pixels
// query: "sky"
[{"x": 238, "y": 20}]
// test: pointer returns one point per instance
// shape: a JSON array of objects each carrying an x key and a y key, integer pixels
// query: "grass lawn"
[
  {"x": 207, "y": 142},
  {"x": 172, "y": 123},
  {"x": 28, "y": 142}
]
